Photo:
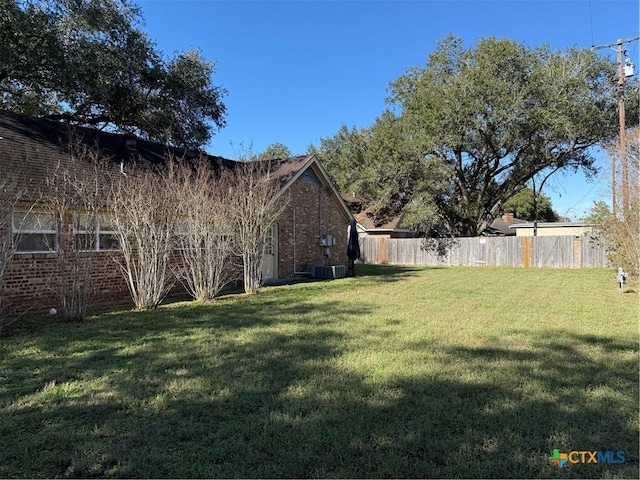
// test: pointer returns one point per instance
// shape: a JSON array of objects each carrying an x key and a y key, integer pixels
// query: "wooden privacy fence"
[{"x": 551, "y": 251}]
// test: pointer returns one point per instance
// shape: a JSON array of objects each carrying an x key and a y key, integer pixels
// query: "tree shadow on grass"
[
  {"x": 242, "y": 399},
  {"x": 390, "y": 273}
]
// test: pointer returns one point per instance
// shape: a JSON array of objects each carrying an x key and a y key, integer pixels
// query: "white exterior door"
[{"x": 270, "y": 257}]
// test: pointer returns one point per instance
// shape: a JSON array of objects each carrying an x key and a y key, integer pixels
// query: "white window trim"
[
  {"x": 182, "y": 230},
  {"x": 98, "y": 232},
  {"x": 22, "y": 232}
]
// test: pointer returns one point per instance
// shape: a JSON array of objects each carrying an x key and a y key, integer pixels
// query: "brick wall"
[
  {"x": 33, "y": 281},
  {"x": 316, "y": 213}
]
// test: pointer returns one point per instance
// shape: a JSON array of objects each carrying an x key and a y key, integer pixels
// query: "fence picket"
[{"x": 550, "y": 251}]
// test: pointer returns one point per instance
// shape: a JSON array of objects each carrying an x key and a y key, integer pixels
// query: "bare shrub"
[
  {"x": 622, "y": 230},
  {"x": 9, "y": 198},
  {"x": 255, "y": 203},
  {"x": 143, "y": 207},
  {"x": 205, "y": 230},
  {"x": 75, "y": 194}
]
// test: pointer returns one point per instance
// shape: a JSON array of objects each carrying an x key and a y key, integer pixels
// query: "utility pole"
[{"x": 623, "y": 137}]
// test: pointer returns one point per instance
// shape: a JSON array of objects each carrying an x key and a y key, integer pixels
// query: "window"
[
  {"x": 95, "y": 232},
  {"x": 188, "y": 233},
  {"x": 268, "y": 247},
  {"x": 34, "y": 232}
]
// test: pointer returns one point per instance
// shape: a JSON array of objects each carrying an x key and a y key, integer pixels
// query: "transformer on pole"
[{"x": 624, "y": 71}]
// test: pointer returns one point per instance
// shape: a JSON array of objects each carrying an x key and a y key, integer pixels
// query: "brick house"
[
  {"x": 313, "y": 228},
  {"x": 311, "y": 231}
]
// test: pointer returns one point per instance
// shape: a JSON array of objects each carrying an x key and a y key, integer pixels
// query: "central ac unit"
[{"x": 328, "y": 271}]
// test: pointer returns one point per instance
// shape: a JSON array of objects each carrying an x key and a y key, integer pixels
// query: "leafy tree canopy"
[
  {"x": 273, "y": 151},
  {"x": 500, "y": 114},
  {"x": 463, "y": 134},
  {"x": 522, "y": 206},
  {"x": 381, "y": 167},
  {"x": 343, "y": 156},
  {"x": 88, "y": 62}
]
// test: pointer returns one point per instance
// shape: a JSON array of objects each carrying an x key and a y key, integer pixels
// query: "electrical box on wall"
[{"x": 326, "y": 241}]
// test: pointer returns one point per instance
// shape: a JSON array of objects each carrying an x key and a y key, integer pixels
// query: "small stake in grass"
[{"x": 621, "y": 278}]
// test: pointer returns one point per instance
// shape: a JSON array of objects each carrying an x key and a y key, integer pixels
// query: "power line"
[{"x": 591, "y": 19}]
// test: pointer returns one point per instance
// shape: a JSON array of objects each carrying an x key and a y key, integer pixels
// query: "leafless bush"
[
  {"x": 622, "y": 231},
  {"x": 16, "y": 195},
  {"x": 143, "y": 207},
  {"x": 255, "y": 204},
  {"x": 9, "y": 197},
  {"x": 204, "y": 228},
  {"x": 75, "y": 195}
]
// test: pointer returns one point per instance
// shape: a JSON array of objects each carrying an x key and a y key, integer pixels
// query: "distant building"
[
  {"x": 368, "y": 226},
  {"x": 500, "y": 227},
  {"x": 546, "y": 229}
]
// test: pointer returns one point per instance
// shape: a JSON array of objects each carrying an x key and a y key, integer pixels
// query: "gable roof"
[
  {"x": 289, "y": 170},
  {"x": 366, "y": 219}
]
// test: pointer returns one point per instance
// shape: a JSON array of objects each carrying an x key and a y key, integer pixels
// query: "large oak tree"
[
  {"x": 88, "y": 62},
  {"x": 500, "y": 114},
  {"x": 381, "y": 167},
  {"x": 474, "y": 127}
]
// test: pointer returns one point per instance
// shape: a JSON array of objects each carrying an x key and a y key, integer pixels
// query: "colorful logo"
[
  {"x": 584, "y": 456},
  {"x": 559, "y": 458}
]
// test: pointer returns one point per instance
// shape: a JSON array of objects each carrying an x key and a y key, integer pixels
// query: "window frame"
[
  {"x": 182, "y": 230},
  {"x": 96, "y": 217},
  {"x": 18, "y": 232}
]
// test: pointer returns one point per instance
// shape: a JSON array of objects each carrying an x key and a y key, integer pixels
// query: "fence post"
[
  {"x": 526, "y": 254},
  {"x": 577, "y": 252}
]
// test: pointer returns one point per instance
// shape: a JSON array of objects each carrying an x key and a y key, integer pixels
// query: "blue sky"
[{"x": 297, "y": 70}]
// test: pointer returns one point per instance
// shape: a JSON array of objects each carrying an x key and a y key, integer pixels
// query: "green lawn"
[{"x": 400, "y": 372}]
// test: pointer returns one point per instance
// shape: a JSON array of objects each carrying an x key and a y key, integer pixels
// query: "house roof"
[
  {"x": 288, "y": 170},
  {"x": 31, "y": 147},
  {"x": 500, "y": 227},
  {"x": 551, "y": 225},
  {"x": 366, "y": 219},
  {"x": 18, "y": 131}
]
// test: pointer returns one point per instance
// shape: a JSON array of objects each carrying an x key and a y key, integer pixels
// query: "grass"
[{"x": 399, "y": 372}]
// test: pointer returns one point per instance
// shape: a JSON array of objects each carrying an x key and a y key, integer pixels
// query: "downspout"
[
  {"x": 295, "y": 272},
  {"x": 319, "y": 212}
]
